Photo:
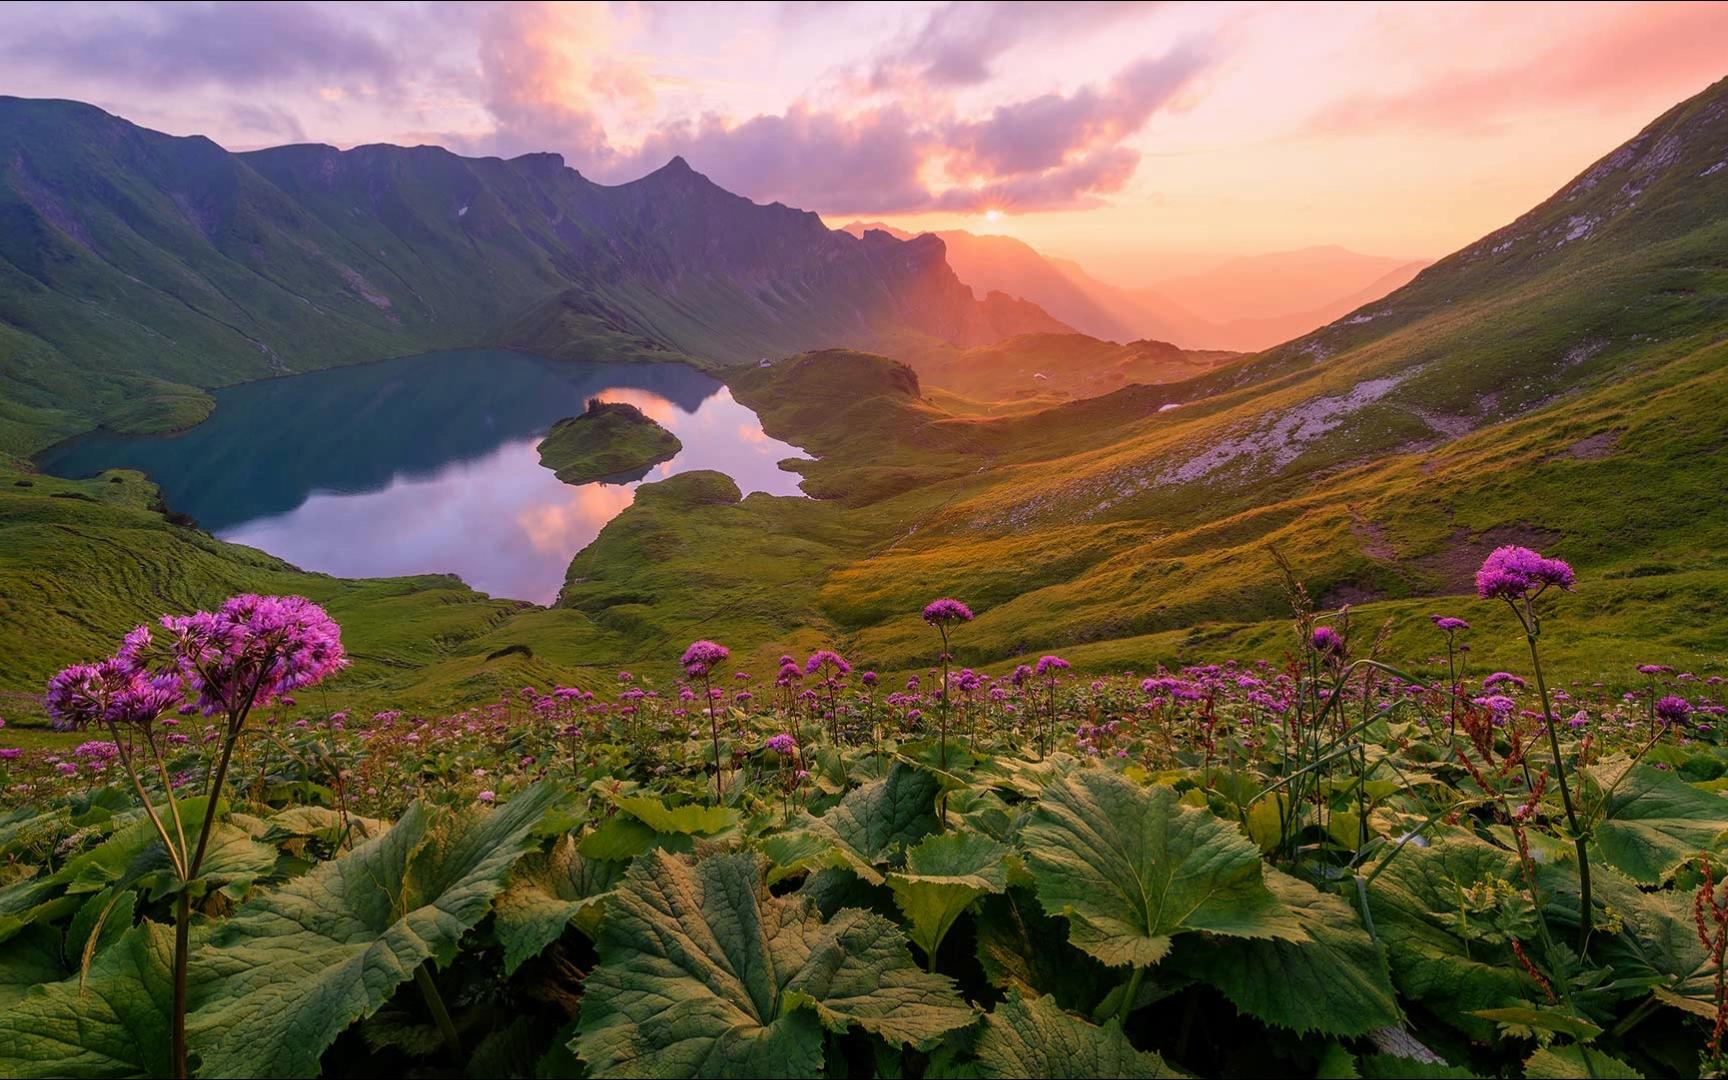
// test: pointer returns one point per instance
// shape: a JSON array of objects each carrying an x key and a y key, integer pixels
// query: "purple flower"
[
  {"x": 702, "y": 657},
  {"x": 946, "y": 610},
  {"x": 1498, "y": 704},
  {"x": 868, "y": 678},
  {"x": 96, "y": 751},
  {"x": 1048, "y": 665},
  {"x": 78, "y": 696},
  {"x": 253, "y": 650},
  {"x": 1513, "y": 573},
  {"x": 1449, "y": 624},
  {"x": 1673, "y": 709},
  {"x": 782, "y": 743},
  {"x": 827, "y": 658},
  {"x": 1503, "y": 678},
  {"x": 1654, "y": 669},
  {"x": 9, "y": 753},
  {"x": 1327, "y": 641}
]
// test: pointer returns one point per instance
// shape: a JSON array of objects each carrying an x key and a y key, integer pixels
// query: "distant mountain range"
[
  {"x": 137, "y": 268},
  {"x": 1243, "y": 304}
]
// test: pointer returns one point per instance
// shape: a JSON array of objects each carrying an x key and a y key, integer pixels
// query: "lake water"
[{"x": 427, "y": 464}]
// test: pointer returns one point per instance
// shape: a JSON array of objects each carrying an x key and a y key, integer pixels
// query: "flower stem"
[
  {"x": 1580, "y": 841},
  {"x": 182, "y": 949}
]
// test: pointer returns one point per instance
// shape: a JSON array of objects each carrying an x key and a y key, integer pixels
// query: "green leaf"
[
  {"x": 1332, "y": 979},
  {"x": 1658, "y": 941},
  {"x": 322, "y": 823},
  {"x": 113, "y": 1025},
  {"x": 1427, "y": 919},
  {"x": 30, "y": 959},
  {"x": 622, "y": 838},
  {"x": 867, "y": 829},
  {"x": 1652, "y": 821},
  {"x": 1129, "y": 867},
  {"x": 691, "y": 819},
  {"x": 944, "y": 874},
  {"x": 1567, "y": 1063},
  {"x": 1337, "y": 1063},
  {"x": 1036, "y": 1038},
  {"x": 547, "y": 891},
  {"x": 1021, "y": 948},
  {"x": 703, "y": 973},
  {"x": 1524, "y": 1019},
  {"x": 295, "y": 967}
]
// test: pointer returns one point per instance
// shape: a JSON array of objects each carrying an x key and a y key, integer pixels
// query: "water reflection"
[{"x": 428, "y": 464}]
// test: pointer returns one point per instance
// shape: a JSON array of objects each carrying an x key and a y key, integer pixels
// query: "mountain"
[
  {"x": 1259, "y": 301},
  {"x": 1053, "y": 368},
  {"x": 1562, "y": 382},
  {"x": 1243, "y": 304},
  {"x": 137, "y": 268}
]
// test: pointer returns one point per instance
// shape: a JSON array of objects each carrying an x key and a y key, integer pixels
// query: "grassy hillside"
[
  {"x": 1053, "y": 368},
  {"x": 1562, "y": 383}
]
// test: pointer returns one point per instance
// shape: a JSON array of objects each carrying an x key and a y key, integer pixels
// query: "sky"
[{"x": 1138, "y": 138}]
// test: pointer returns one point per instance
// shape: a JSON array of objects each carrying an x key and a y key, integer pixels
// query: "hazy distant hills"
[
  {"x": 138, "y": 267},
  {"x": 1242, "y": 304}
]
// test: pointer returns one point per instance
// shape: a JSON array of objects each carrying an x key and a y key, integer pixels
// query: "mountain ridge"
[
  {"x": 1244, "y": 304},
  {"x": 138, "y": 266}
]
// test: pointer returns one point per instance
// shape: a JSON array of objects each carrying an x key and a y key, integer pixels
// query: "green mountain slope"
[
  {"x": 1563, "y": 383},
  {"x": 1560, "y": 382},
  {"x": 137, "y": 268}
]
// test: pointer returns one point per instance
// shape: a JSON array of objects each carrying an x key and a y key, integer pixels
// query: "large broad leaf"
[
  {"x": 31, "y": 958},
  {"x": 293, "y": 968},
  {"x": 1567, "y": 1062},
  {"x": 1427, "y": 906},
  {"x": 944, "y": 874},
  {"x": 1130, "y": 866},
  {"x": 547, "y": 891},
  {"x": 691, "y": 819},
  {"x": 867, "y": 829},
  {"x": 114, "y": 1024},
  {"x": 703, "y": 973},
  {"x": 1037, "y": 1039},
  {"x": 133, "y": 856},
  {"x": 1650, "y": 822},
  {"x": 1332, "y": 980},
  {"x": 1657, "y": 945},
  {"x": 1021, "y": 948}
]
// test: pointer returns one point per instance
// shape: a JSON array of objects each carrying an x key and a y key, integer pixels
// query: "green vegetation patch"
[{"x": 611, "y": 441}]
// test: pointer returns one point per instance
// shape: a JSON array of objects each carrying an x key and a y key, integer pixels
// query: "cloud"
[
  {"x": 959, "y": 43},
  {"x": 509, "y": 79},
  {"x": 868, "y": 162},
  {"x": 543, "y": 71},
  {"x": 1043, "y": 133},
  {"x": 1600, "y": 56},
  {"x": 169, "y": 45},
  {"x": 268, "y": 121},
  {"x": 1055, "y": 151}
]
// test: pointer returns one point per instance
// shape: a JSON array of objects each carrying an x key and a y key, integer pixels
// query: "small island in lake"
[{"x": 611, "y": 441}]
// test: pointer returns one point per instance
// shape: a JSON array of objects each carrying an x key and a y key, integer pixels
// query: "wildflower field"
[{"x": 1346, "y": 863}]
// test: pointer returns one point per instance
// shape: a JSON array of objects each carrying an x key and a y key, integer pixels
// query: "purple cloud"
[
  {"x": 958, "y": 44},
  {"x": 176, "y": 45}
]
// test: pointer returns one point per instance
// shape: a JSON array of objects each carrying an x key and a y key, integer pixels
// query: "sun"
[{"x": 992, "y": 215}]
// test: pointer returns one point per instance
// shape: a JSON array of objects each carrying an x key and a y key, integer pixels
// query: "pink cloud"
[
  {"x": 1599, "y": 56},
  {"x": 959, "y": 43}
]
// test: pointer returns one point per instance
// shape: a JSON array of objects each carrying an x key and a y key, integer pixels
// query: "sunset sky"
[{"x": 1129, "y": 136}]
